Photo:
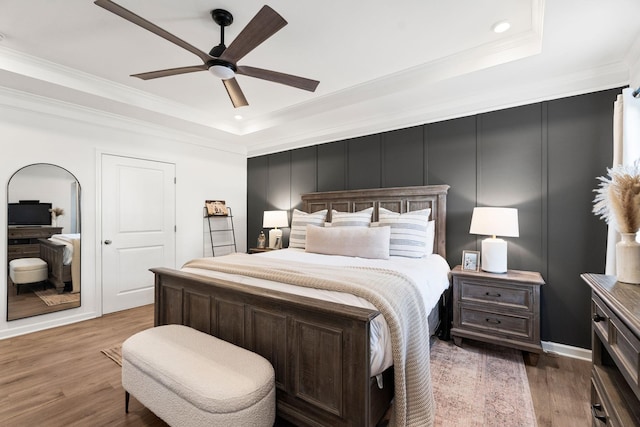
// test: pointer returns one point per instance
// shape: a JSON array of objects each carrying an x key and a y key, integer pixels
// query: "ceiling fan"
[{"x": 222, "y": 61}]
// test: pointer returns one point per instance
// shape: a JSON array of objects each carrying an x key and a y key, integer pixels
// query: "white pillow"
[
  {"x": 409, "y": 232},
  {"x": 351, "y": 219},
  {"x": 363, "y": 242},
  {"x": 431, "y": 237},
  {"x": 299, "y": 222}
]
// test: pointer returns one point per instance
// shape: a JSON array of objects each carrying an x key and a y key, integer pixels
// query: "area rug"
[
  {"x": 476, "y": 385},
  {"x": 52, "y": 297},
  {"x": 114, "y": 353},
  {"x": 480, "y": 385}
]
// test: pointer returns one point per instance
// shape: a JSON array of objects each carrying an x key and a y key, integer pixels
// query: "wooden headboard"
[{"x": 397, "y": 199}]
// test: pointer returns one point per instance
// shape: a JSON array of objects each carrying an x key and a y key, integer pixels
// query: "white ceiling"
[{"x": 381, "y": 65}]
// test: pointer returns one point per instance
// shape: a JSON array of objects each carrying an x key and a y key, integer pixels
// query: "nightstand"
[
  {"x": 502, "y": 309},
  {"x": 259, "y": 250}
]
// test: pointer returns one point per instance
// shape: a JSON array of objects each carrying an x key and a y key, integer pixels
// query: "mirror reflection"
[{"x": 43, "y": 250}]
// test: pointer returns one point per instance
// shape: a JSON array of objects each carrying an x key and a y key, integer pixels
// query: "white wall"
[{"x": 38, "y": 130}]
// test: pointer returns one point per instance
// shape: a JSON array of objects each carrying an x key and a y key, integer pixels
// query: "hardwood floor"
[
  {"x": 27, "y": 304},
  {"x": 58, "y": 377},
  {"x": 561, "y": 391}
]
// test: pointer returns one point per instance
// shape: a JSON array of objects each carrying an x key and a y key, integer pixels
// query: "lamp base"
[
  {"x": 275, "y": 238},
  {"x": 494, "y": 255}
]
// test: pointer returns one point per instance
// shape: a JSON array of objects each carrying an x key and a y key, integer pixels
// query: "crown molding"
[
  {"x": 345, "y": 123},
  {"x": 70, "y": 78},
  {"x": 633, "y": 59},
  {"x": 22, "y": 101}
]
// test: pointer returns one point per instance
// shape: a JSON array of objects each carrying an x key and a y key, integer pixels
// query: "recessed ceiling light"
[
  {"x": 237, "y": 117},
  {"x": 501, "y": 27}
]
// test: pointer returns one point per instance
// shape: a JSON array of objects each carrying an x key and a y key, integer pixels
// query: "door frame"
[{"x": 98, "y": 224}]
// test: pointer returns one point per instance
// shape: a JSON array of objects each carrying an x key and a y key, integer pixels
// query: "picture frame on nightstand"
[{"x": 471, "y": 260}]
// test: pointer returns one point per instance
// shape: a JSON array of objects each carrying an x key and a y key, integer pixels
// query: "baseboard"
[
  {"x": 567, "y": 350},
  {"x": 28, "y": 328}
]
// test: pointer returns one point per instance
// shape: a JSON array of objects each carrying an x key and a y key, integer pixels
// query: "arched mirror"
[{"x": 43, "y": 250}]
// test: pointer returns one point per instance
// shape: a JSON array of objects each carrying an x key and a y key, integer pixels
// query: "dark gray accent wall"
[{"x": 541, "y": 158}]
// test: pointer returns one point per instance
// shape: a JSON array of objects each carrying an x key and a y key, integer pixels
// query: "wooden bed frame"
[
  {"x": 320, "y": 350},
  {"x": 53, "y": 254}
]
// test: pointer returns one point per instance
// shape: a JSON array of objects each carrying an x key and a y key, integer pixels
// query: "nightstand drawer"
[
  {"x": 503, "y": 309},
  {"x": 477, "y": 291},
  {"x": 491, "y": 322}
]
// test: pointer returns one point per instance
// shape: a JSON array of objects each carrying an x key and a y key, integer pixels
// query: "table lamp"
[
  {"x": 273, "y": 220},
  {"x": 494, "y": 222}
]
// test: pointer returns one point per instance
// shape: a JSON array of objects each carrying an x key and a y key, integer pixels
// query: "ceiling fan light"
[{"x": 221, "y": 71}]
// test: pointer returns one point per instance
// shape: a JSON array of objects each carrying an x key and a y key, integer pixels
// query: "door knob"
[{"x": 107, "y": 242}]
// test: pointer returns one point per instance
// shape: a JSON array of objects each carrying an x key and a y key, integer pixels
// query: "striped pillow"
[
  {"x": 351, "y": 219},
  {"x": 408, "y": 232},
  {"x": 299, "y": 222}
]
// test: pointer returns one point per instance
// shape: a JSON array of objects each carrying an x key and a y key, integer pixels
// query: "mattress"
[{"x": 430, "y": 275}]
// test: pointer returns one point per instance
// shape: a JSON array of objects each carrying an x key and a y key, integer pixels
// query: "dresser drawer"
[
  {"x": 622, "y": 343},
  {"x": 512, "y": 296},
  {"x": 24, "y": 251},
  {"x": 626, "y": 347},
  {"x": 32, "y": 232},
  {"x": 600, "y": 318},
  {"x": 613, "y": 403},
  {"x": 599, "y": 413},
  {"x": 489, "y": 322}
]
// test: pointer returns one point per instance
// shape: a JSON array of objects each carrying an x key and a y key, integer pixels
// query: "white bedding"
[
  {"x": 429, "y": 273},
  {"x": 67, "y": 240}
]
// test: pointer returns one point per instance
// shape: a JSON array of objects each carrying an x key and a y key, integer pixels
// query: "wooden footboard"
[
  {"x": 320, "y": 350},
  {"x": 53, "y": 254}
]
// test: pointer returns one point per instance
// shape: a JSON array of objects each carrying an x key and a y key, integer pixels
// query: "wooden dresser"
[
  {"x": 23, "y": 241},
  {"x": 615, "y": 373},
  {"x": 502, "y": 309}
]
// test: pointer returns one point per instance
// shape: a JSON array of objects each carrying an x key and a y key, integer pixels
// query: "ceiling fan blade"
[
  {"x": 170, "y": 72},
  {"x": 235, "y": 93},
  {"x": 132, "y": 17},
  {"x": 282, "y": 78},
  {"x": 266, "y": 23}
]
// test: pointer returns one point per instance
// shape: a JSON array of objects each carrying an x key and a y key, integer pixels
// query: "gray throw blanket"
[{"x": 392, "y": 293}]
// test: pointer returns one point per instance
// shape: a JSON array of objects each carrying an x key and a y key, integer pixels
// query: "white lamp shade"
[
  {"x": 495, "y": 222},
  {"x": 275, "y": 219}
]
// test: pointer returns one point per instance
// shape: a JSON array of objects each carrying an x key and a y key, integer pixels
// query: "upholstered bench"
[
  {"x": 189, "y": 378},
  {"x": 27, "y": 270}
]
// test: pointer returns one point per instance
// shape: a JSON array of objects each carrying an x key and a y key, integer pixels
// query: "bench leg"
[{"x": 126, "y": 401}]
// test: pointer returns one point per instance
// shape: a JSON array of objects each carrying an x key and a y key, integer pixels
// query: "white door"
[{"x": 138, "y": 228}]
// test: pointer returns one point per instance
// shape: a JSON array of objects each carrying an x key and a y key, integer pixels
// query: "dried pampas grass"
[
  {"x": 617, "y": 198},
  {"x": 57, "y": 211}
]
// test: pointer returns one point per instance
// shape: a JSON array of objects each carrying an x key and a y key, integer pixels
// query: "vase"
[
  {"x": 628, "y": 259},
  {"x": 262, "y": 240}
]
